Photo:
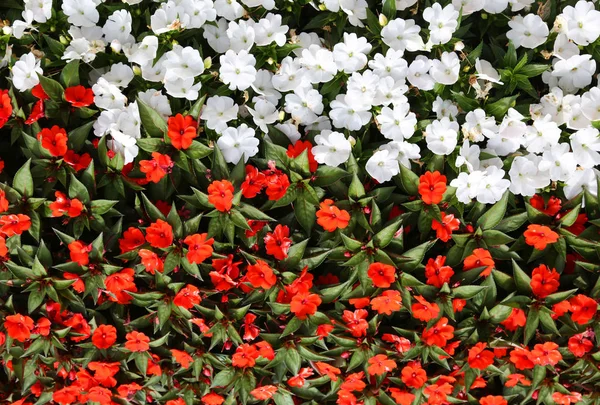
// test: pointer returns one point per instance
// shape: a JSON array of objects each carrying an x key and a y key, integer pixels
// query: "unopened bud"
[
  {"x": 352, "y": 140},
  {"x": 207, "y": 62},
  {"x": 383, "y": 21},
  {"x": 459, "y": 46}
]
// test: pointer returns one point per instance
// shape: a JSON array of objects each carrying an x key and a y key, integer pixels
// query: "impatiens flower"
[
  {"x": 328, "y": 370},
  {"x": 76, "y": 161},
  {"x": 157, "y": 168},
  {"x": 424, "y": 310},
  {"x": 277, "y": 184},
  {"x": 304, "y": 305},
  {"x": 79, "y": 252},
  {"x": 296, "y": 150},
  {"x": 79, "y": 96},
  {"x": 480, "y": 258},
  {"x": 263, "y": 393},
  {"x": 383, "y": 165},
  {"x": 382, "y": 275},
  {"x": 199, "y": 247},
  {"x": 212, "y": 398},
  {"x": 187, "y": 297},
  {"x": 493, "y": 400},
  {"x": 437, "y": 393},
  {"x": 529, "y": 31},
  {"x": 277, "y": 243},
  {"x": 159, "y": 234},
  {"x": 413, "y": 375},
  {"x": 401, "y": 397},
  {"x": 181, "y": 357},
  {"x": 432, "y": 187},
  {"x": 479, "y": 358},
  {"x": 579, "y": 345},
  {"x": 438, "y": 334},
  {"x": 137, "y": 342},
  {"x": 254, "y": 182},
  {"x": 442, "y": 136},
  {"x": 65, "y": 206},
  {"x": 583, "y": 308},
  {"x": 545, "y": 354},
  {"x": 539, "y": 236},
  {"x": 104, "y": 336},
  {"x": 446, "y": 227},
  {"x": 260, "y": 275},
  {"x": 182, "y": 131},
  {"x": 332, "y": 148},
  {"x": 132, "y": 238},
  {"x": 151, "y": 261},
  {"x": 119, "y": 283},
  {"x": 54, "y": 140},
  {"x": 14, "y": 224},
  {"x": 514, "y": 379},
  {"x": 442, "y": 22},
  {"x": 66, "y": 395},
  {"x": 239, "y": 142},
  {"x": 380, "y": 364},
  {"x": 331, "y": 217},
  {"x": 437, "y": 273},
  {"x": 544, "y": 281},
  {"x": 566, "y": 399},
  {"x": 515, "y": 320},
  {"x": 388, "y": 302},
  {"x": 245, "y": 356},
  {"x": 220, "y": 194},
  {"x": 6, "y": 108},
  {"x": 356, "y": 322},
  {"x": 237, "y": 69},
  {"x": 18, "y": 326}
]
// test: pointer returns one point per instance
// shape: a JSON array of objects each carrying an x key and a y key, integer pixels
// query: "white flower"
[
  {"x": 492, "y": 186},
  {"x": 351, "y": 55},
  {"x": 485, "y": 71},
  {"x": 118, "y": 27},
  {"x": 229, "y": 9},
  {"x": 25, "y": 72},
  {"x": 495, "y": 6},
  {"x": 124, "y": 145},
  {"x": 157, "y": 101},
  {"x": 19, "y": 27},
  {"x": 322, "y": 123},
  {"x": 580, "y": 181},
  {"x": 468, "y": 155},
  {"x": 238, "y": 142},
  {"x": 108, "y": 96},
  {"x": 529, "y": 31},
  {"x": 241, "y": 35},
  {"x": 404, "y": 152},
  {"x": 559, "y": 162},
  {"x": 217, "y": 35},
  {"x": 469, "y": 6},
  {"x": 362, "y": 88},
  {"x": 444, "y": 108},
  {"x": 398, "y": 123},
  {"x": 402, "y": 35},
  {"x": 305, "y": 104},
  {"x": 510, "y": 136},
  {"x": 199, "y": 12},
  {"x": 290, "y": 75},
  {"x": 564, "y": 48},
  {"x": 586, "y": 147},
  {"x": 442, "y": 136},
  {"x": 518, "y": 5},
  {"x": 237, "y": 69},
  {"x": 352, "y": 117},
  {"x": 590, "y": 104},
  {"x": 264, "y": 113},
  {"x": 582, "y": 22},
  {"x": 382, "y": 166},
  {"x": 266, "y": 4},
  {"x": 218, "y": 111},
  {"x": 418, "y": 73},
  {"x": 445, "y": 70},
  {"x": 356, "y": 11},
  {"x": 525, "y": 177},
  {"x": 169, "y": 17},
  {"x": 81, "y": 13},
  {"x": 390, "y": 91},
  {"x": 574, "y": 73},
  {"x": 263, "y": 85},
  {"x": 467, "y": 185},
  {"x": 319, "y": 64},
  {"x": 290, "y": 130},
  {"x": 183, "y": 88},
  {"x": 79, "y": 49},
  {"x": 142, "y": 52},
  {"x": 442, "y": 22},
  {"x": 542, "y": 134},
  {"x": 391, "y": 65},
  {"x": 183, "y": 63},
  {"x": 477, "y": 126},
  {"x": 332, "y": 148},
  {"x": 119, "y": 74},
  {"x": 269, "y": 29},
  {"x": 41, "y": 10},
  {"x": 402, "y": 4},
  {"x": 304, "y": 40}
]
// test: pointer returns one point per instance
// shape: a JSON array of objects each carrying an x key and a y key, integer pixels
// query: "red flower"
[
  {"x": 14, "y": 224},
  {"x": 437, "y": 274},
  {"x": 182, "y": 358},
  {"x": 66, "y": 395},
  {"x": 540, "y": 236},
  {"x": 445, "y": 228},
  {"x": 79, "y": 326},
  {"x": 160, "y": 234},
  {"x": 331, "y": 217},
  {"x": 389, "y": 301},
  {"x": 104, "y": 372},
  {"x": 220, "y": 194},
  {"x": 277, "y": 185},
  {"x": 560, "y": 309},
  {"x": 552, "y": 207},
  {"x": 566, "y": 399},
  {"x": 401, "y": 397},
  {"x": 54, "y": 139},
  {"x": 514, "y": 379},
  {"x": 245, "y": 356},
  {"x": 260, "y": 275},
  {"x": 79, "y": 96},
  {"x": 278, "y": 243},
  {"x": 354, "y": 382},
  {"x": 424, "y": 310},
  {"x": 579, "y": 225},
  {"x": 104, "y": 336},
  {"x": 479, "y": 358},
  {"x": 263, "y": 393},
  {"x": 521, "y": 358},
  {"x": 132, "y": 238},
  {"x": 380, "y": 364},
  {"x": 79, "y": 252},
  {"x": 458, "y": 304},
  {"x": 119, "y": 283},
  {"x": 437, "y": 393},
  {"x": 301, "y": 146},
  {"x": 493, "y": 400},
  {"x": 438, "y": 334},
  {"x": 137, "y": 342},
  {"x": 544, "y": 281},
  {"x": 77, "y": 162},
  {"x": 211, "y": 398},
  {"x": 65, "y": 206},
  {"x": 579, "y": 345},
  {"x": 515, "y": 320},
  {"x": 199, "y": 247},
  {"x": 356, "y": 322},
  {"x": 3, "y": 248},
  {"x": 432, "y": 187},
  {"x": 182, "y": 131},
  {"x": 382, "y": 275},
  {"x": 480, "y": 258},
  {"x": 157, "y": 168},
  {"x": 5, "y": 107},
  {"x": 3, "y": 202},
  {"x": 187, "y": 297},
  {"x": 413, "y": 375},
  {"x": 545, "y": 354},
  {"x": 305, "y": 304},
  {"x": 18, "y": 327},
  {"x": 583, "y": 308},
  {"x": 254, "y": 182},
  {"x": 299, "y": 379},
  {"x": 36, "y": 113},
  {"x": 255, "y": 227},
  {"x": 151, "y": 261},
  {"x": 329, "y": 370}
]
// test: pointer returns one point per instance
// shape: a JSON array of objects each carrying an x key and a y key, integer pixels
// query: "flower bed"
[{"x": 299, "y": 202}]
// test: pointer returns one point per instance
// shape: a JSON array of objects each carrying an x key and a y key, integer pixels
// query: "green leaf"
[
  {"x": 153, "y": 212},
  {"x": 389, "y": 9},
  {"x": 510, "y": 58},
  {"x": 152, "y": 121},
  {"x": 23, "y": 181},
  {"x": 464, "y": 102},
  {"x": 252, "y": 212},
  {"x": 533, "y": 70},
  {"x": 78, "y": 136},
  {"x": 327, "y": 175},
  {"x": 305, "y": 211},
  {"x": 196, "y": 109},
  {"x": 533, "y": 320},
  {"x": 386, "y": 235},
  {"x": 52, "y": 88},
  {"x": 219, "y": 167},
  {"x": 467, "y": 291},
  {"x": 495, "y": 238},
  {"x": 70, "y": 74},
  {"x": 198, "y": 150},
  {"x": 410, "y": 181},
  {"x": 78, "y": 190},
  {"x": 100, "y": 207},
  {"x": 495, "y": 214},
  {"x": 499, "y": 108},
  {"x": 522, "y": 280}
]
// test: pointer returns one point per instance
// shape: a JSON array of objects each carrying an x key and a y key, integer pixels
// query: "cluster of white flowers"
[{"x": 557, "y": 143}]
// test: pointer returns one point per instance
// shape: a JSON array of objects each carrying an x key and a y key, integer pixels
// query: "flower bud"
[
  {"x": 383, "y": 21},
  {"x": 207, "y": 62}
]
